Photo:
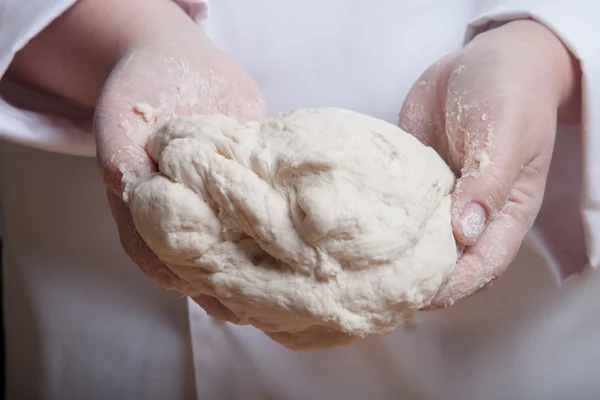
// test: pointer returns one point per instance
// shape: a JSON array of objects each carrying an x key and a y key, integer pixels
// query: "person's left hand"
[{"x": 491, "y": 110}]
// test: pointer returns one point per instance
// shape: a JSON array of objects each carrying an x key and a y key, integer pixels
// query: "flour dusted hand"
[
  {"x": 491, "y": 111},
  {"x": 318, "y": 226},
  {"x": 172, "y": 70}
]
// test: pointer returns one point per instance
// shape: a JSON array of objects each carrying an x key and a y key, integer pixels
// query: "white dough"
[{"x": 319, "y": 226}]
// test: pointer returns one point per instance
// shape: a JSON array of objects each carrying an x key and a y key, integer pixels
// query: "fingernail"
[{"x": 472, "y": 220}]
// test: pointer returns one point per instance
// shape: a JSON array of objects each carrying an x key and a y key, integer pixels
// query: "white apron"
[{"x": 83, "y": 323}]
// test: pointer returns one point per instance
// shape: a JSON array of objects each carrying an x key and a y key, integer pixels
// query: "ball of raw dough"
[{"x": 318, "y": 226}]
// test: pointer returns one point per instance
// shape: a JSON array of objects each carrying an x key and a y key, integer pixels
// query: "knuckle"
[
  {"x": 537, "y": 167},
  {"x": 497, "y": 192}
]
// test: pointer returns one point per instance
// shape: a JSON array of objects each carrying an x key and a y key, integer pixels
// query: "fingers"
[
  {"x": 155, "y": 269},
  {"x": 485, "y": 261},
  {"x": 497, "y": 247},
  {"x": 497, "y": 197},
  {"x": 148, "y": 87},
  {"x": 214, "y": 308},
  {"x": 492, "y": 138},
  {"x": 499, "y": 121},
  {"x": 478, "y": 199},
  {"x": 139, "y": 252},
  {"x": 488, "y": 179}
]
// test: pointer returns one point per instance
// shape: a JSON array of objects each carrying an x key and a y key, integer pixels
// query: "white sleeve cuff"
[
  {"x": 196, "y": 9},
  {"x": 574, "y": 22}
]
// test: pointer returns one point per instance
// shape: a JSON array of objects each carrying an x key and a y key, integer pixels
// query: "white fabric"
[
  {"x": 82, "y": 322},
  {"x": 74, "y": 328}
]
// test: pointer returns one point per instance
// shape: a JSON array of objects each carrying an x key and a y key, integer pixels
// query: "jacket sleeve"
[
  {"x": 196, "y": 9},
  {"x": 567, "y": 230}
]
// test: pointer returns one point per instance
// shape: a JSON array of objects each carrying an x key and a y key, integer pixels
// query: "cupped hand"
[
  {"x": 174, "y": 70},
  {"x": 491, "y": 111}
]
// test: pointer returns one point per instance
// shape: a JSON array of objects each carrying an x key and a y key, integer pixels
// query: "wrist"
[
  {"x": 555, "y": 71},
  {"x": 565, "y": 73},
  {"x": 154, "y": 20},
  {"x": 74, "y": 55}
]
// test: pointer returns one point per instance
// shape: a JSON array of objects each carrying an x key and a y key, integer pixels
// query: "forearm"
[{"x": 74, "y": 55}]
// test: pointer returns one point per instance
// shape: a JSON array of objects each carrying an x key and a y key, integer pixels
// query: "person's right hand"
[
  {"x": 174, "y": 70},
  {"x": 114, "y": 55}
]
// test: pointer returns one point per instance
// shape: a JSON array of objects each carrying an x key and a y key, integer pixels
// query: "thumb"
[
  {"x": 481, "y": 192},
  {"x": 494, "y": 201},
  {"x": 484, "y": 144}
]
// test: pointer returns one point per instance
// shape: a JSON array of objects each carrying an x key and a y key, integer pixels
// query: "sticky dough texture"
[{"x": 317, "y": 226}]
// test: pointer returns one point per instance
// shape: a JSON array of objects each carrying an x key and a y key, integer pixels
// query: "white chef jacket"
[{"x": 82, "y": 322}]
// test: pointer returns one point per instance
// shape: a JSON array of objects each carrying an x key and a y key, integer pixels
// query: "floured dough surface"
[{"x": 318, "y": 226}]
